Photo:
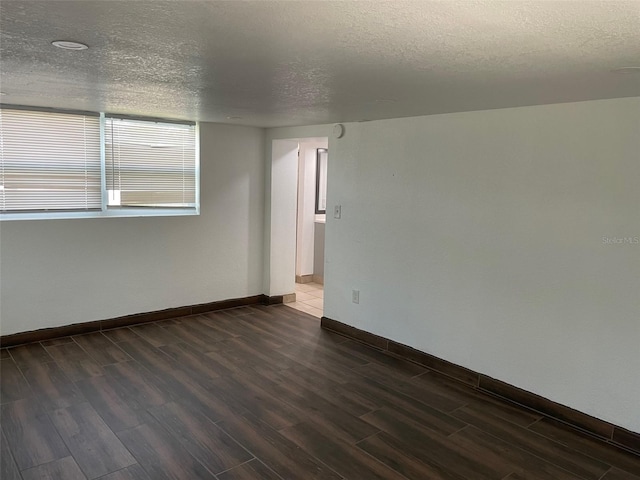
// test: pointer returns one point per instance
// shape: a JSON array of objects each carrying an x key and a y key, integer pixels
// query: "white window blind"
[
  {"x": 150, "y": 164},
  {"x": 49, "y": 161}
]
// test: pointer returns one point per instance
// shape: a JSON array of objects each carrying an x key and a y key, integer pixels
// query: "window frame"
[
  {"x": 320, "y": 171},
  {"x": 107, "y": 211}
]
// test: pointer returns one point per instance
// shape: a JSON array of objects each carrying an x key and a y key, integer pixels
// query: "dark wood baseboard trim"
[
  {"x": 599, "y": 429},
  {"x": 276, "y": 299},
  {"x": 304, "y": 278},
  {"x": 87, "y": 327}
]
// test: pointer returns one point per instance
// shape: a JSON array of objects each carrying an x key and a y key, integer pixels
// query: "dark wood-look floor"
[{"x": 264, "y": 393}]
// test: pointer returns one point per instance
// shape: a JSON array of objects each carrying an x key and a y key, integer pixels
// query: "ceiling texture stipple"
[{"x": 280, "y": 63}]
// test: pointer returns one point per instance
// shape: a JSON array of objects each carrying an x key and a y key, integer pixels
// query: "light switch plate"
[
  {"x": 337, "y": 211},
  {"x": 355, "y": 296}
]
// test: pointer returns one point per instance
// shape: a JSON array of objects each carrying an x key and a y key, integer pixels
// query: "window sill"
[{"x": 110, "y": 213}]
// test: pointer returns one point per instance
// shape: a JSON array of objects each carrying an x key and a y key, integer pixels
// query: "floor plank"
[
  {"x": 177, "y": 382},
  {"x": 253, "y": 470},
  {"x": 542, "y": 447},
  {"x": 386, "y": 376},
  {"x": 316, "y": 362},
  {"x": 351, "y": 400},
  {"x": 253, "y": 353},
  {"x": 505, "y": 410},
  {"x": 134, "y": 472},
  {"x": 8, "y": 468},
  {"x": 617, "y": 474},
  {"x": 402, "y": 368},
  {"x": 250, "y": 397},
  {"x": 428, "y": 416},
  {"x": 31, "y": 436},
  {"x": 32, "y": 353},
  {"x": 74, "y": 361},
  {"x": 66, "y": 468},
  {"x": 277, "y": 452},
  {"x": 93, "y": 445},
  {"x": 588, "y": 445},
  {"x": 209, "y": 327},
  {"x": 335, "y": 355},
  {"x": 161, "y": 455},
  {"x": 195, "y": 363},
  {"x": 13, "y": 385},
  {"x": 506, "y": 457},
  {"x": 341, "y": 456},
  {"x": 202, "y": 438},
  {"x": 117, "y": 335},
  {"x": 385, "y": 449},
  {"x": 138, "y": 384},
  {"x": 198, "y": 339},
  {"x": 56, "y": 341},
  {"x": 313, "y": 406},
  {"x": 447, "y": 387},
  {"x": 117, "y": 409},
  {"x": 154, "y": 334},
  {"x": 429, "y": 446},
  {"x": 103, "y": 350},
  {"x": 52, "y": 386},
  {"x": 221, "y": 323}
]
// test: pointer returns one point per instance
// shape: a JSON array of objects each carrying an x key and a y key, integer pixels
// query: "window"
[
  {"x": 150, "y": 164},
  {"x": 49, "y": 161},
  {"x": 67, "y": 165},
  {"x": 321, "y": 180}
]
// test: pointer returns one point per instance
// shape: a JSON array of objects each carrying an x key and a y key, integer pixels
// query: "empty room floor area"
[{"x": 263, "y": 393}]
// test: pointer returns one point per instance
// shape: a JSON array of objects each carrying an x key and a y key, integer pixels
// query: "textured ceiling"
[{"x": 277, "y": 63}]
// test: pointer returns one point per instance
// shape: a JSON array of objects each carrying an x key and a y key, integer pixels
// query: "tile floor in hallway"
[{"x": 309, "y": 298}]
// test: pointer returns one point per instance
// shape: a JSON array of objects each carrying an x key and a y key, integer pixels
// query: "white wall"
[
  {"x": 59, "y": 272},
  {"x": 307, "y": 205},
  {"x": 282, "y": 227},
  {"x": 478, "y": 237}
]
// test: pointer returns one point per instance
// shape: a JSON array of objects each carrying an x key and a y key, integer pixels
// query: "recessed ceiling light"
[
  {"x": 626, "y": 70},
  {"x": 68, "y": 45},
  {"x": 234, "y": 118}
]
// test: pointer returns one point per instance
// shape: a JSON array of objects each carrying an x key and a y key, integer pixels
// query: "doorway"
[
  {"x": 310, "y": 225},
  {"x": 297, "y": 218}
]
